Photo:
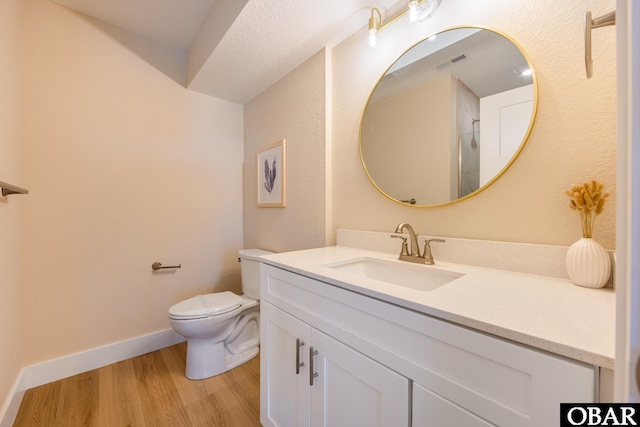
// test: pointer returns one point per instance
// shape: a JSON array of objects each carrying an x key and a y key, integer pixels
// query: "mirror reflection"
[{"x": 448, "y": 117}]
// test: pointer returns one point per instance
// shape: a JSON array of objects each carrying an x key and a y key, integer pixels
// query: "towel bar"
[{"x": 157, "y": 266}]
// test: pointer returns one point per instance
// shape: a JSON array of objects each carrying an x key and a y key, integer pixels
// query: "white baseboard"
[
  {"x": 67, "y": 366},
  {"x": 12, "y": 404},
  {"x": 74, "y": 364}
]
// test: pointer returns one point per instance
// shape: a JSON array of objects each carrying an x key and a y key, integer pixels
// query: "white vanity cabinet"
[
  {"x": 284, "y": 387},
  {"x": 383, "y": 364},
  {"x": 310, "y": 379}
]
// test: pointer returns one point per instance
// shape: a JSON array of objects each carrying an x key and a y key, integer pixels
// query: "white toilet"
[{"x": 222, "y": 329}]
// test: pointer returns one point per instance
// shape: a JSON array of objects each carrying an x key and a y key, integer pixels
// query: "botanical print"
[{"x": 271, "y": 174}]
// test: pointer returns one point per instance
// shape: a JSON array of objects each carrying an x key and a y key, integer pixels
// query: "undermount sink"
[{"x": 412, "y": 276}]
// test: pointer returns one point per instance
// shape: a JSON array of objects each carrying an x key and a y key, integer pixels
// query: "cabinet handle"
[
  {"x": 299, "y": 364},
  {"x": 312, "y": 374}
]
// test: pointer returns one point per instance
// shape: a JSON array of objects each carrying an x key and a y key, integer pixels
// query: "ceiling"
[
  {"x": 258, "y": 44},
  {"x": 483, "y": 60}
]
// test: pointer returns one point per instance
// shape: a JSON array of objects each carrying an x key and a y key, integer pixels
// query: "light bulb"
[
  {"x": 372, "y": 38},
  {"x": 413, "y": 10},
  {"x": 427, "y": 9}
]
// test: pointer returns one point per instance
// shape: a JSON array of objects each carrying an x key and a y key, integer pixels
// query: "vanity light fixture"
[
  {"x": 419, "y": 10},
  {"x": 374, "y": 26},
  {"x": 422, "y": 10}
]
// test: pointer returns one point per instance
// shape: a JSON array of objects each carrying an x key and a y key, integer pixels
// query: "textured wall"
[
  {"x": 125, "y": 168},
  {"x": 293, "y": 109},
  {"x": 11, "y": 207},
  {"x": 573, "y": 138}
]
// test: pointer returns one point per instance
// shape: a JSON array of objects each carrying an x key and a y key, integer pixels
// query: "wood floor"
[{"x": 149, "y": 390}]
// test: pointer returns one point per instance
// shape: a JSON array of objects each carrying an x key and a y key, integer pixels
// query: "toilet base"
[
  {"x": 235, "y": 360},
  {"x": 207, "y": 357},
  {"x": 216, "y": 362}
]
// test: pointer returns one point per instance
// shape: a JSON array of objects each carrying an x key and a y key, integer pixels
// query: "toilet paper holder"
[{"x": 157, "y": 266}]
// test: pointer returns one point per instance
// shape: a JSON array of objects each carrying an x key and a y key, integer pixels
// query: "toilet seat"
[{"x": 205, "y": 306}]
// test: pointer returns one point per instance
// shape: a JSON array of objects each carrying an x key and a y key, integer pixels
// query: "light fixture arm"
[{"x": 374, "y": 25}]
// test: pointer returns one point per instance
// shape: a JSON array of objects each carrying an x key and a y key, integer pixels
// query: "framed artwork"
[{"x": 272, "y": 174}]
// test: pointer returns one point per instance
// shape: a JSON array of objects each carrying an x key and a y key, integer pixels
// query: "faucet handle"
[
  {"x": 427, "y": 241},
  {"x": 428, "y": 257},
  {"x": 405, "y": 249}
]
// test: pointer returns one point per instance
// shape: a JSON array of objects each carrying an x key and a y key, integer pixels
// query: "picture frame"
[{"x": 272, "y": 175}]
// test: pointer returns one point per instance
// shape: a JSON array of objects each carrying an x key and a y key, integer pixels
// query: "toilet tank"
[{"x": 250, "y": 271}]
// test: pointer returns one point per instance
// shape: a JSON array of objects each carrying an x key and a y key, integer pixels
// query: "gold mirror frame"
[{"x": 509, "y": 163}]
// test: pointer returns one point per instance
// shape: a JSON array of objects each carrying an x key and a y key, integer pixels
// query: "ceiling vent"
[{"x": 454, "y": 61}]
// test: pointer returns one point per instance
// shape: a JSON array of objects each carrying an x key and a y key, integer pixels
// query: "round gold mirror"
[{"x": 448, "y": 117}]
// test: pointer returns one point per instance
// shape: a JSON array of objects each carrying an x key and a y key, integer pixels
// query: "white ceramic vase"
[{"x": 588, "y": 263}]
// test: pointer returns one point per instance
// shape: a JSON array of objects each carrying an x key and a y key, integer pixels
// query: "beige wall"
[
  {"x": 573, "y": 138},
  {"x": 125, "y": 168},
  {"x": 10, "y": 207},
  {"x": 293, "y": 109}
]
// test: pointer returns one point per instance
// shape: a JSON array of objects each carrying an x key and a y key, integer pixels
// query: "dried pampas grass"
[{"x": 589, "y": 199}]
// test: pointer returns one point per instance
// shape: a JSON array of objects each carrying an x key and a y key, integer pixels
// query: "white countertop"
[{"x": 546, "y": 313}]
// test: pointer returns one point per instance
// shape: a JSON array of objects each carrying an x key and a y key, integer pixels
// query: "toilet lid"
[{"x": 202, "y": 306}]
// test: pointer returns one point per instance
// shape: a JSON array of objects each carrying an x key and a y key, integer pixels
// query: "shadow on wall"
[
  {"x": 171, "y": 61},
  {"x": 229, "y": 282}
]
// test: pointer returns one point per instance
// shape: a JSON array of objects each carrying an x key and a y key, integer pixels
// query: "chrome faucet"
[{"x": 412, "y": 254}]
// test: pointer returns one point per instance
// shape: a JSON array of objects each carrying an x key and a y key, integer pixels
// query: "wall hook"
[
  {"x": 589, "y": 24},
  {"x": 12, "y": 189}
]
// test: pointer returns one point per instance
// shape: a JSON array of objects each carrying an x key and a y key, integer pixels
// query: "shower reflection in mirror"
[{"x": 468, "y": 160}]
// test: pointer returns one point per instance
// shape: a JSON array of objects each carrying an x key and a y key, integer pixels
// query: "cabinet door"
[
  {"x": 353, "y": 390},
  {"x": 284, "y": 390},
  {"x": 430, "y": 409}
]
